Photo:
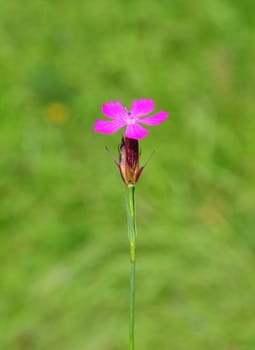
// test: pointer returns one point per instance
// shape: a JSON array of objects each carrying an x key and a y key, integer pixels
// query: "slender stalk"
[
  {"x": 132, "y": 307},
  {"x": 132, "y": 238}
]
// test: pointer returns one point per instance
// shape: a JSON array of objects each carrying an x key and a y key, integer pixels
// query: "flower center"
[{"x": 130, "y": 119}]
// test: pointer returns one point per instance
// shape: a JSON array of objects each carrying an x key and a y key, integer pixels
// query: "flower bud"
[{"x": 129, "y": 161}]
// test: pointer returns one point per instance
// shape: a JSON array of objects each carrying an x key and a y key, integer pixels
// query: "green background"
[{"x": 64, "y": 265}]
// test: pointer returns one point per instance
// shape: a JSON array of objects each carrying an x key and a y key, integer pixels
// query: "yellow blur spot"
[{"x": 56, "y": 113}]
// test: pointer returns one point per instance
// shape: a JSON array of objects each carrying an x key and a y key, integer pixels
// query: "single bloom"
[{"x": 121, "y": 117}]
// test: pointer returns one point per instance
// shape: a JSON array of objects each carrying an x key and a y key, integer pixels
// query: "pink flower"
[{"x": 130, "y": 119}]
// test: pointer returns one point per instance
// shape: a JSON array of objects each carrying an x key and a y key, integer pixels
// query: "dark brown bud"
[{"x": 129, "y": 161}]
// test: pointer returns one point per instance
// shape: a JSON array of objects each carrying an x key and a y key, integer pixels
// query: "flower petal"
[
  {"x": 142, "y": 107},
  {"x": 135, "y": 131},
  {"x": 114, "y": 110},
  {"x": 154, "y": 119},
  {"x": 107, "y": 127}
]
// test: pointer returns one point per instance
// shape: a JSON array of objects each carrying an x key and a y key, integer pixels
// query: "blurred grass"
[{"x": 63, "y": 243}]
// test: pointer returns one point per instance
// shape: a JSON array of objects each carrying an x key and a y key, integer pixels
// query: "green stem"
[
  {"x": 132, "y": 307},
  {"x": 132, "y": 237}
]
